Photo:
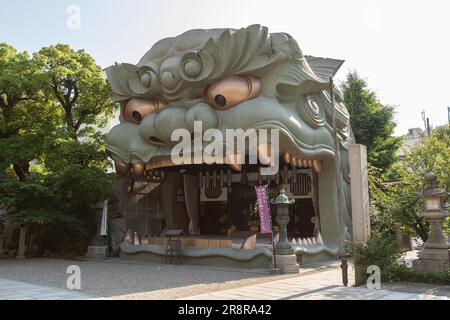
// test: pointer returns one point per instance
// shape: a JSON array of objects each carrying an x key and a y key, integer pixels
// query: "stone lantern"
[
  {"x": 435, "y": 256},
  {"x": 285, "y": 257}
]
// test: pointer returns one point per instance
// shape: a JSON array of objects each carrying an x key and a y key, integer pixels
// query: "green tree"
[
  {"x": 52, "y": 105},
  {"x": 400, "y": 200},
  {"x": 372, "y": 122},
  {"x": 24, "y": 116},
  {"x": 58, "y": 209},
  {"x": 79, "y": 87}
]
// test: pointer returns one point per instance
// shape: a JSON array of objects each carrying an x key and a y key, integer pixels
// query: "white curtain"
[{"x": 191, "y": 197}]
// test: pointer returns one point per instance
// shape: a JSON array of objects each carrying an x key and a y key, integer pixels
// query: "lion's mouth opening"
[{"x": 160, "y": 164}]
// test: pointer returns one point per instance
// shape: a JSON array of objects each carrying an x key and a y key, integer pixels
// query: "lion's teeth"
[
  {"x": 317, "y": 166},
  {"x": 138, "y": 169},
  {"x": 293, "y": 161},
  {"x": 263, "y": 153},
  {"x": 235, "y": 162},
  {"x": 287, "y": 158},
  {"x": 121, "y": 168},
  {"x": 307, "y": 163},
  {"x": 319, "y": 238},
  {"x": 236, "y": 167}
]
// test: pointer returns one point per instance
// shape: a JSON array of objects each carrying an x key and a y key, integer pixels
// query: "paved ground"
[
  {"x": 15, "y": 290},
  {"x": 423, "y": 288},
  {"x": 319, "y": 286},
  {"x": 119, "y": 279}
]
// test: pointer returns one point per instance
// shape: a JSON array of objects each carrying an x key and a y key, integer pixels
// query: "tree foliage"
[
  {"x": 380, "y": 251},
  {"x": 24, "y": 112},
  {"x": 77, "y": 84},
  {"x": 398, "y": 204},
  {"x": 53, "y": 165},
  {"x": 372, "y": 122}
]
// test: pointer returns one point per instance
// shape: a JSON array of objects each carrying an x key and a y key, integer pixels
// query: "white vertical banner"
[{"x": 104, "y": 225}]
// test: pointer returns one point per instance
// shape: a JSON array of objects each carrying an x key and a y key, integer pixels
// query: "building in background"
[{"x": 409, "y": 140}]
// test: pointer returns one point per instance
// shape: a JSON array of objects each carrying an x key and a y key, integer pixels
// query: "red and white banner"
[{"x": 263, "y": 209}]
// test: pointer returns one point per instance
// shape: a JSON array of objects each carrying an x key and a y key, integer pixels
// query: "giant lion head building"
[{"x": 229, "y": 79}]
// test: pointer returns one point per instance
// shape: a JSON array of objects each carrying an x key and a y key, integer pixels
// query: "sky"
[{"x": 402, "y": 48}]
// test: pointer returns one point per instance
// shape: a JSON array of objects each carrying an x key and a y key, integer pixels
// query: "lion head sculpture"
[{"x": 227, "y": 78}]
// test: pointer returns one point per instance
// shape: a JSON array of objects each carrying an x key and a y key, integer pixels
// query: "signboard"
[
  {"x": 263, "y": 209},
  {"x": 103, "y": 226}
]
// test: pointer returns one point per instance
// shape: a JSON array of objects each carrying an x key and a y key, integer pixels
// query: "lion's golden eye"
[
  {"x": 136, "y": 109},
  {"x": 232, "y": 90}
]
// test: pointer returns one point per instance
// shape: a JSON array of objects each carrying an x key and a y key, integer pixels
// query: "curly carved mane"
[{"x": 180, "y": 67}]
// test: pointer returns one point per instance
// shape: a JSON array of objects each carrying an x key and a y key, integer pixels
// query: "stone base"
[
  {"x": 434, "y": 254},
  {"x": 287, "y": 263},
  {"x": 275, "y": 271},
  {"x": 96, "y": 252},
  {"x": 432, "y": 260},
  {"x": 430, "y": 266}
]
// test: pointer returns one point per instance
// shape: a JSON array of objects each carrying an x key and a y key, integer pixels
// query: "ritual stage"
[
  {"x": 236, "y": 250},
  {"x": 236, "y": 241}
]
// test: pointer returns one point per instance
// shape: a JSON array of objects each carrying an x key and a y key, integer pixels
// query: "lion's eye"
[
  {"x": 230, "y": 91},
  {"x": 136, "y": 109}
]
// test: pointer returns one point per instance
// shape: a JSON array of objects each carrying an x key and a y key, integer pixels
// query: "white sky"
[{"x": 401, "y": 47}]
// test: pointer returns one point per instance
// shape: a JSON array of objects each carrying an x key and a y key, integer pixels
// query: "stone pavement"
[
  {"x": 318, "y": 286},
  {"x": 118, "y": 279},
  {"x": 16, "y": 290}
]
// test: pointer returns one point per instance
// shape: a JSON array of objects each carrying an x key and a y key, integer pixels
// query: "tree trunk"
[{"x": 22, "y": 171}]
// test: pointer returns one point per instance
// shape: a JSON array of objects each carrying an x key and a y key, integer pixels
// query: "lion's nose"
[{"x": 157, "y": 128}]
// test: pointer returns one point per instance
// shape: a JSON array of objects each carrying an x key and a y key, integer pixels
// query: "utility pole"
[
  {"x": 448, "y": 114},
  {"x": 426, "y": 122},
  {"x": 424, "y": 119}
]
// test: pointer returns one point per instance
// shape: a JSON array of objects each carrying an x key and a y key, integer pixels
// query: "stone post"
[
  {"x": 359, "y": 187},
  {"x": 435, "y": 256},
  {"x": 284, "y": 254},
  {"x": 22, "y": 244},
  {"x": 360, "y": 193},
  {"x": 2, "y": 239},
  {"x": 98, "y": 248}
]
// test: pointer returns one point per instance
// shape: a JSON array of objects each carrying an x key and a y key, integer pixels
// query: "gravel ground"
[{"x": 120, "y": 279}]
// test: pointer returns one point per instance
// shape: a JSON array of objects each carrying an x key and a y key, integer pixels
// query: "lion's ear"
[
  {"x": 306, "y": 76},
  {"x": 298, "y": 79},
  {"x": 325, "y": 68}
]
